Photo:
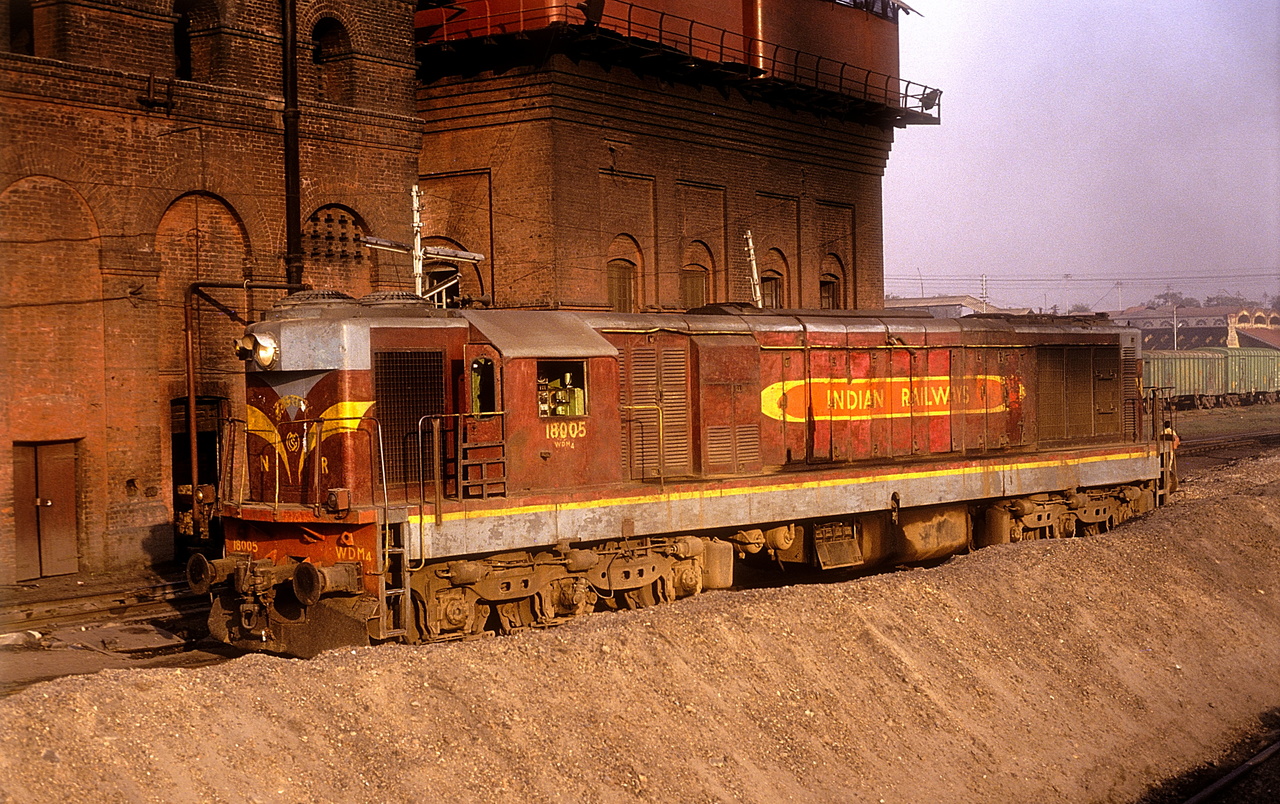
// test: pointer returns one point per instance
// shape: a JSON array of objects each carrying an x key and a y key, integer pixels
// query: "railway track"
[
  {"x": 1200, "y": 446},
  {"x": 1262, "y": 768},
  {"x": 170, "y": 598}
]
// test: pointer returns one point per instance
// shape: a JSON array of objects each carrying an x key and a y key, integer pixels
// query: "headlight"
[{"x": 260, "y": 348}]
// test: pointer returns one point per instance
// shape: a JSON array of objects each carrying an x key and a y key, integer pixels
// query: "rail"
[
  {"x": 718, "y": 49},
  {"x": 314, "y": 433}
]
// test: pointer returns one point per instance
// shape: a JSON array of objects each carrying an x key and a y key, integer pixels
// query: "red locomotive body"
[{"x": 419, "y": 474}]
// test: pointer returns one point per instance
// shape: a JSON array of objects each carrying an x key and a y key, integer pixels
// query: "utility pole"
[{"x": 437, "y": 294}]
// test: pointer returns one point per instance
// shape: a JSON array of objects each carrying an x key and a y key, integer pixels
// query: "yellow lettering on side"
[{"x": 266, "y": 461}]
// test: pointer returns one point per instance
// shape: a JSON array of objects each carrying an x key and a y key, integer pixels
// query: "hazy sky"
[{"x": 1132, "y": 142}]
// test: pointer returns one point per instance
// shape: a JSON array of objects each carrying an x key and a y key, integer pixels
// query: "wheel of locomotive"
[
  {"x": 417, "y": 625},
  {"x": 515, "y": 615},
  {"x": 661, "y": 590}
]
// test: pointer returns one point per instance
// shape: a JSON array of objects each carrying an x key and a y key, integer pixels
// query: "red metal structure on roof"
[{"x": 840, "y": 58}]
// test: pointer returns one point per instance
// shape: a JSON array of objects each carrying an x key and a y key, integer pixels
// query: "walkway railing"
[{"x": 708, "y": 45}]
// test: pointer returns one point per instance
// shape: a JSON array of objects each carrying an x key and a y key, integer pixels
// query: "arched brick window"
[
  {"x": 335, "y": 258},
  {"x": 1243, "y": 319},
  {"x": 771, "y": 290},
  {"x": 335, "y": 67},
  {"x": 622, "y": 285},
  {"x": 438, "y": 270},
  {"x": 773, "y": 279},
  {"x": 831, "y": 284},
  {"x": 622, "y": 273},
  {"x": 21, "y": 28},
  {"x": 695, "y": 276},
  {"x": 829, "y": 292}
]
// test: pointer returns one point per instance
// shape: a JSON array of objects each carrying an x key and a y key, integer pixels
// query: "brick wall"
[
  {"x": 110, "y": 207},
  {"x": 136, "y": 161},
  {"x": 546, "y": 167}
]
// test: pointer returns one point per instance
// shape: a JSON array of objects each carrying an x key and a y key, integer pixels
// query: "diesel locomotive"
[{"x": 402, "y": 472}]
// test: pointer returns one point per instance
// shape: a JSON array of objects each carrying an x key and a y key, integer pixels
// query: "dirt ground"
[
  {"x": 1226, "y": 421},
  {"x": 1074, "y": 671}
]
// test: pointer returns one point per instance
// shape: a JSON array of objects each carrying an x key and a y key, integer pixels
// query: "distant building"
[
  {"x": 952, "y": 306},
  {"x": 1203, "y": 326}
]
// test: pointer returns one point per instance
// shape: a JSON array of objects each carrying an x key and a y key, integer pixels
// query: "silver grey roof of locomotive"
[
  {"x": 532, "y": 333},
  {"x": 330, "y": 329}
]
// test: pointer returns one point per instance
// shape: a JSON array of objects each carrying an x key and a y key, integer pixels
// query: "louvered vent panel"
[
  {"x": 644, "y": 422},
  {"x": 675, "y": 412},
  {"x": 748, "y": 446},
  {"x": 1132, "y": 393},
  {"x": 720, "y": 446}
]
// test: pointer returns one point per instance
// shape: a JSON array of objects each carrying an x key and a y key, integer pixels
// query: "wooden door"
[{"x": 44, "y": 489}]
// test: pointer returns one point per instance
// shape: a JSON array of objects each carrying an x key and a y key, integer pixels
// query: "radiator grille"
[
  {"x": 1132, "y": 393},
  {"x": 407, "y": 386},
  {"x": 748, "y": 446}
]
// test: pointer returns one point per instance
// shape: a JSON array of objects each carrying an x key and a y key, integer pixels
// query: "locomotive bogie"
[{"x": 538, "y": 589}]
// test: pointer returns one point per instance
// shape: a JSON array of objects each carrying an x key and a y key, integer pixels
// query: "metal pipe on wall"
[
  {"x": 188, "y": 331},
  {"x": 292, "y": 170}
]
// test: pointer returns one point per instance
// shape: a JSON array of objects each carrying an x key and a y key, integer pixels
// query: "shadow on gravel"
[{"x": 1182, "y": 788}]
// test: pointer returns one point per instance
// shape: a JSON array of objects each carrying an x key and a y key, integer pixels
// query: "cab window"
[
  {"x": 484, "y": 397},
  {"x": 562, "y": 388}
]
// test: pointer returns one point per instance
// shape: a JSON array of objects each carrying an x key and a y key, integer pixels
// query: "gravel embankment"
[{"x": 1073, "y": 671}]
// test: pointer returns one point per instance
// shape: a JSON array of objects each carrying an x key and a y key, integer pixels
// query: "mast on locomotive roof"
[
  {"x": 438, "y": 292},
  {"x": 757, "y": 297}
]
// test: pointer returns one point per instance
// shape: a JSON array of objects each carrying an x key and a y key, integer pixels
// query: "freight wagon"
[{"x": 1214, "y": 376}]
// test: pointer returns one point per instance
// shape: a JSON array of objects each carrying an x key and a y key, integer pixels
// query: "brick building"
[
  {"x": 600, "y": 155},
  {"x": 142, "y": 152},
  {"x": 1198, "y": 327},
  {"x": 620, "y": 161}
]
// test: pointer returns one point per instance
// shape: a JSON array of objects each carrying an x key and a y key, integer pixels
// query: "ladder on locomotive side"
[{"x": 393, "y": 584}]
